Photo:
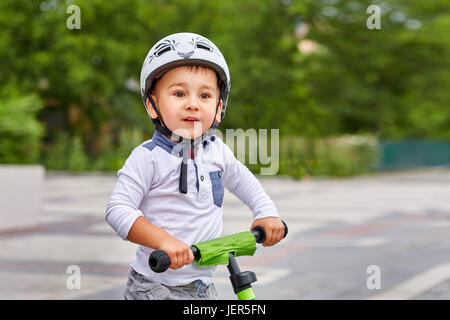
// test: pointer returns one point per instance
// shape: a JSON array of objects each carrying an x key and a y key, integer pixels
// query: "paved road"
[{"x": 387, "y": 231}]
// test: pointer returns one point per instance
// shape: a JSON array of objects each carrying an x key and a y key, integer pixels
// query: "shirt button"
[{"x": 202, "y": 178}]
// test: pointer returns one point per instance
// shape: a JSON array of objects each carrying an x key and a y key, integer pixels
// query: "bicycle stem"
[{"x": 241, "y": 281}]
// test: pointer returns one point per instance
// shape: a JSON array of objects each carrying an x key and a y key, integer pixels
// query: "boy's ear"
[
  {"x": 219, "y": 111},
  {"x": 151, "y": 111}
]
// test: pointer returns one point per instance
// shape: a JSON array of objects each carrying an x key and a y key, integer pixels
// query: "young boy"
[{"x": 169, "y": 192}]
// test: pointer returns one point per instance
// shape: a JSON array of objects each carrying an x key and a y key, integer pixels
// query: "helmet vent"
[
  {"x": 204, "y": 46},
  {"x": 163, "y": 50}
]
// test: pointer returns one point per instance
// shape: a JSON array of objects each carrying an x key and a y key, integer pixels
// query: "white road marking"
[
  {"x": 264, "y": 275},
  {"x": 417, "y": 284},
  {"x": 334, "y": 242}
]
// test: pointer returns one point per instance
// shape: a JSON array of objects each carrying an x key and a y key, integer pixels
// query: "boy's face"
[{"x": 186, "y": 98}]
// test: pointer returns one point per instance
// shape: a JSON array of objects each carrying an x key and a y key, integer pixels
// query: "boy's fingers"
[
  {"x": 268, "y": 241},
  {"x": 182, "y": 260},
  {"x": 273, "y": 236},
  {"x": 173, "y": 262},
  {"x": 190, "y": 256},
  {"x": 276, "y": 237},
  {"x": 280, "y": 235}
]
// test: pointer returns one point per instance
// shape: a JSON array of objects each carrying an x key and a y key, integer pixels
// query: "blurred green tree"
[
  {"x": 391, "y": 82},
  {"x": 20, "y": 132}
]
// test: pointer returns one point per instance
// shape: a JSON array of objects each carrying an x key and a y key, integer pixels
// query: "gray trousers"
[{"x": 140, "y": 287}]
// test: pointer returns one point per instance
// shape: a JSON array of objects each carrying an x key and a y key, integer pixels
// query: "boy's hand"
[
  {"x": 179, "y": 252},
  {"x": 274, "y": 229}
]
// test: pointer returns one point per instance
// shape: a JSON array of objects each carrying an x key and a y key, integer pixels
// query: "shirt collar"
[{"x": 163, "y": 142}]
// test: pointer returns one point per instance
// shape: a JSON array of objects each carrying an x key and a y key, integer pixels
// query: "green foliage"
[
  {"x": 112, "y": 158},
  {"x": 20, "y": 132},
  {"x": 343, "y": 156},
  {"x": 77, "y": 159},
  {"x": 56, "y": 153},
  {"x": 392, "y": 82},
  {"x": 67, "y": 153},
  {"x": 83, "y": 85},
  {"x": 347, "y": 155}
]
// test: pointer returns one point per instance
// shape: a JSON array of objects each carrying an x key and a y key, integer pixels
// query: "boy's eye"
[
  {"x": 205, "y": 96},
  {"x": 179, "y": 94}
]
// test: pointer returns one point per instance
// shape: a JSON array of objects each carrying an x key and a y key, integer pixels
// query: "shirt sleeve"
[
  {"x": 240, "y": 181},
  {"x": 133, "y": 183}
]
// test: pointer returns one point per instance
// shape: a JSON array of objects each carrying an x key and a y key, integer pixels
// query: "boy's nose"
[{"x": 192, "y": 104}]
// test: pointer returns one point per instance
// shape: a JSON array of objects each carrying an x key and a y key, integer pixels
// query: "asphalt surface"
[{"x": 340, "y": 230}]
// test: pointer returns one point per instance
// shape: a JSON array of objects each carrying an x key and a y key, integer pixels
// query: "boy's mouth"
[{"x": 190, "y": 119}]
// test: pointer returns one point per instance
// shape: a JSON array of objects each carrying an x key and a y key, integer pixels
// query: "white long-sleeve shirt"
[{"x": 148, "y": 185}]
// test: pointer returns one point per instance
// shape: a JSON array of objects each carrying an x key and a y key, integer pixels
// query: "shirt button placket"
[{"x": 203, "y": 195}]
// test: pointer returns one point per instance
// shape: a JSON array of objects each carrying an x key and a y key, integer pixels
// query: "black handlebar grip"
[
  {"x": 285, "y": 229},
  {"x": 159, "y": 261},
  {"x": 195, "y": 252},
  {"x": 260, "y": 233}
]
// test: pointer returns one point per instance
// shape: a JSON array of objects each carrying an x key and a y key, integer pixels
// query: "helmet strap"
[
  {"x": 222, "y": 90},
  {"x": 159, "y": 122}
]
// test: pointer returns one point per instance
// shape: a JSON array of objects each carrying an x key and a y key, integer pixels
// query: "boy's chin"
[{"x": 189, "y": 134}]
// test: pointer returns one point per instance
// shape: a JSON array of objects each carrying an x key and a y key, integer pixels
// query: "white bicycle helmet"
[{"x": 181, "y": 49}]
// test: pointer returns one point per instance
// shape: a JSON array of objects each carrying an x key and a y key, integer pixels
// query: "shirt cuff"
[
  {"x": 266, "y": 214},
  {"x": 126, "y": 225}
]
